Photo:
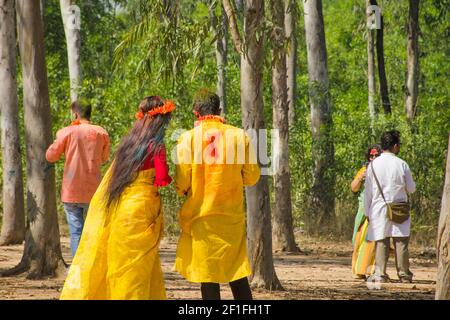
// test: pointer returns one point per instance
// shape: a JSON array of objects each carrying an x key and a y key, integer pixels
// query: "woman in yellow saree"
[
  {"x": 118, "y": 253},
  {"x": 363, "y": 257}
]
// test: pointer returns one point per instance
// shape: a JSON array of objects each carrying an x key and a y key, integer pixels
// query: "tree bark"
[
  {"x": 371, "y": 71},
  {"x": 384, "y": 90},
  {"x": 13, "y": 224},
  {"x": 322, "y": 198},
  {"x": 259, "y": 226},
  {"x": 42, "y": 252},
  {"x": 73, "y": 40},
  {"x": 283, "y": 230},
  {"x": 412, "y": 78},
  {"x": 290, "y": 19},
  {"x": 235, "y": 35},
  {"x": 443, "y": 239},
  {"x": 220, "y": 30},
  {"x": 42, "y": 3}
]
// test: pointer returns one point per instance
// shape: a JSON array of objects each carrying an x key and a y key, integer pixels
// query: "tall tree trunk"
[
  {"x": 220, "y": 29},
  {"x": 371, "y": 69},
  {"x": 283, "y": 230},
  {"x": 443, "y": 239},
  {"x": 73, "y": 40},
  {"x": 13, "y": 224},
  {"x": 384, "y": 90},
  {"x": 412, "y": 78},
  {"x": 258, "y": 197},
  {"x": 290, "y": 19},
  {"x": 42, "y": 252},
  {"x": 42, "y": 3},
  {"x": 322, "y": 210},
  {"x": 259, "y": 224}
]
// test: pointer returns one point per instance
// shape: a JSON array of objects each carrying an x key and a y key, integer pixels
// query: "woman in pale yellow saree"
[
  {"x": 118, "y": 253},
  {"x": 363, "y": 257}
]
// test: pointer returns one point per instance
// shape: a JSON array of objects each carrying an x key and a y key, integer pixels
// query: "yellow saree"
[
  {"x": 118, "y": 256},
  {"x": 363, "y": 258}
]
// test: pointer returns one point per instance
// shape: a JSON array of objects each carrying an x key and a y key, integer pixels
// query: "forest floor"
[{"x": 321, "y": 271}]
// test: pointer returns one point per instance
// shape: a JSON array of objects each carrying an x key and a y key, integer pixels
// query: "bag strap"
[{"x": 378, "y": 183}]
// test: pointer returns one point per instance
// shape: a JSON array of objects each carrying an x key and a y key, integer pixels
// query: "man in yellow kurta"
[{"x": 214, "y": 162}]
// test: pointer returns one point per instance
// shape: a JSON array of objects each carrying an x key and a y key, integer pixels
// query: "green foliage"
[
  {"x": 425, "y": 142},
  {"x": 168, "y": 35},
  {"x": 168, "y": 50}
]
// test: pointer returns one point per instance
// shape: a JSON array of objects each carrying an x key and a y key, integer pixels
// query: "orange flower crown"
[{"x": 168, "y": 107}]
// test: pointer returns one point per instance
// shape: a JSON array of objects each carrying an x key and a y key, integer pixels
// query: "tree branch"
[{"x": 235, "y": 35}]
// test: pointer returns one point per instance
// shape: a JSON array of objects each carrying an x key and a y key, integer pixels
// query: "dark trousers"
[
  {"x": 401, "y": 256},
  {"x": 240, "y": 289}
]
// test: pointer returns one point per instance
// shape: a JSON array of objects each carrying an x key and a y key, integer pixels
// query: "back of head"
[
  {"x": 389, "y": 139},
  {"x": 146, "y": 137},
  {"x": 83, "y": 108},
  {"x": 373, "y": 151},
  {"x": 206, "y": 102}
]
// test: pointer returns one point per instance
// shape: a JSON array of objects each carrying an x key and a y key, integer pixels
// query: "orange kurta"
[
  {"x": 215, "y": 162},
  {"x": 85, "y": 147}
]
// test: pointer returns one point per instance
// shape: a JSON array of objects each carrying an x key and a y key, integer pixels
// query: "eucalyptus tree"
[
  {"x": 220, "y": 29},
  {"x": 443, "y": 239},
  {"x": 283, "y": 231},
  {"x": 71, "y": 19},
  {"x": 290, "y": 23},
  {"x": 412, "y": 77},
  {"x": 42, "y": 253},
  {"x": 384, "y": 89},
  {"x": 371, "y": 82},
  {"x": 250, "y": 48},
  {"x": 13, "y": 222},
  {"x": 322, "y": 211}
]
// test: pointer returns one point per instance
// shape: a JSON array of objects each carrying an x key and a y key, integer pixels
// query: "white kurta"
[{"x": 396, "y": 181}]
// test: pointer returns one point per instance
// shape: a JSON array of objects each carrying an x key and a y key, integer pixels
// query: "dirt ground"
[{"x": 321, "y": 271}]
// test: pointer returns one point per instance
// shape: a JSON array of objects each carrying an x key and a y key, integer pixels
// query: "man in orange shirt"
[{"x": 86, "y": 148}]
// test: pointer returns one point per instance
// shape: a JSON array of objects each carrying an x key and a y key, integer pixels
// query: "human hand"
[{"x": 362, "y": 177}]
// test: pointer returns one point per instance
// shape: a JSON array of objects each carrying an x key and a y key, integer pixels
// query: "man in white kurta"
[{"x": 396, "y": 181}]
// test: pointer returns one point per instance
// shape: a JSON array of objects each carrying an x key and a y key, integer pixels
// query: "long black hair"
[{"x": 146, "y": 137}]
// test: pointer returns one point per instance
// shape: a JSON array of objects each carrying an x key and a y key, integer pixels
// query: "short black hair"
[
  {"x": 206, "y": 102},
  {"x": 390, "y": 139},
  {"x": 83, "y": 108}
]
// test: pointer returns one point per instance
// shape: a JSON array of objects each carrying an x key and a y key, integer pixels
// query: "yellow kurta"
[
  {"x": 212, "y": 245},
  {"x": 118, "y": 253}
]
